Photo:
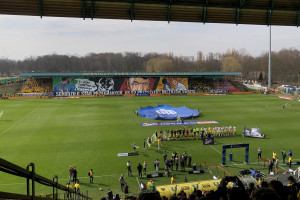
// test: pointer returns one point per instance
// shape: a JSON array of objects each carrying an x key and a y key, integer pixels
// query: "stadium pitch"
[{"x": 90, "y": 132}]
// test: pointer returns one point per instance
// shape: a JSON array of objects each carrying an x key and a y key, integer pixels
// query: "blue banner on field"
[
  {"x": 179, "y": 123},
  {"x": 167, "y": 112}
]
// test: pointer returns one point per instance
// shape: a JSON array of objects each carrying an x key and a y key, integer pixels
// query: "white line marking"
[
  {"x": 15, "y": 124},
  {"x": 138, "y": 182}
]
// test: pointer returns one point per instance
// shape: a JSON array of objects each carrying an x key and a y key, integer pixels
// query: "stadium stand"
[
  {"x": 8, "y": 81},
  {"x": 201, "y": 85},
  {"x": 12, "y": 85},
  {"x": 272, "y": 189},
  {"x": 40, "y": 85},
  {"x": 10, "y": 168},
  {"x": 224, "y": 84}
]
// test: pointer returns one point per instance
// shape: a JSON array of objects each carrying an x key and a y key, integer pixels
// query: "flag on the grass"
[{"x": 153, "y": 138}]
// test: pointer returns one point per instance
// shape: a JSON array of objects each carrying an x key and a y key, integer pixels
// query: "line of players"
[{"x": 196, "y": 133}]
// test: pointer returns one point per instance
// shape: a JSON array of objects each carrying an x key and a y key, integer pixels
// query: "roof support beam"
[
  {"x": 131, "y": 10},
  {"x": 272, "y": 2},
  {"x": 83, "y": 3},
  {"x": 298, "y": 18},
  {"x": 238, "y": 15},
  {"x": 41, "y": 8},
  {"x": 92, "y": 9},
  {"x": 204, "y": 14},
  {"x": 169, "y": 11},
  {"x": 204, "y": 11},
  {"x": 269, "y": 13}
]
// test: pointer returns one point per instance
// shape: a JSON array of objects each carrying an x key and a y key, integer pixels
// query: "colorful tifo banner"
[
  {"x": 179, "y": 123},
  {"x": 124, "y": 85},
  {"x": 188, "y": 188}
]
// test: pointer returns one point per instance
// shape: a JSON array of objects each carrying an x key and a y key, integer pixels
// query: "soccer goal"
[{"x": 230, "y": 146}]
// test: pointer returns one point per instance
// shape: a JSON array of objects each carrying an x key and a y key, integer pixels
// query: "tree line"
[{"x": 285, "y": 64}]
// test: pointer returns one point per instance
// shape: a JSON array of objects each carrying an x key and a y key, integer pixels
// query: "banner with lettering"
[{"x": 120, "y": 85}]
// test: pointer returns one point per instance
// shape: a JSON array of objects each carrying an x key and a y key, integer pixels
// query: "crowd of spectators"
[
  {"x": 200, "y": 84},
  {"x": 12, "y": 80},
  {"x": 274, "y": 190},
  {"x": 40, "y": 85}
]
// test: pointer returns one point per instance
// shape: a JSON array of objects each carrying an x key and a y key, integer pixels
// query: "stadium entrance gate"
[{"x": 235, "y": 146}]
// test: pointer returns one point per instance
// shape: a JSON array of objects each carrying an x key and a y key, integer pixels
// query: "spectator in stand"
[
  {"x": 152, "y": 187},
  {"x": 148, "y": 184}
]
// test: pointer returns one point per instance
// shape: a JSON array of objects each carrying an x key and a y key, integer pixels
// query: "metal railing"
[{"x": 16, "y": 170}]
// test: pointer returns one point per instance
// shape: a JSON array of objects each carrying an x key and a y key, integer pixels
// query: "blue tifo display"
[{"x": 167, "y": 112}]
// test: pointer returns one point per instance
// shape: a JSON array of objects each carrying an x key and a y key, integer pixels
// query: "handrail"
[
  {"x": 206, "y": 165},
  {"x": 266, "y": 163},
  {"x": 16, "y": 170}
]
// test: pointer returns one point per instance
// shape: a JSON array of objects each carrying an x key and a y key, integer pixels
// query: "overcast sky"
[{"x": 23, "y": 36}]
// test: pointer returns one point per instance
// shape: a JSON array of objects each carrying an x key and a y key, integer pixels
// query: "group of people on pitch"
[{"x": 195, "y": 133}]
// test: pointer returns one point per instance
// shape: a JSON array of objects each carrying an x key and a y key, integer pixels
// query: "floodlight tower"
[{"x": 269, "y": 74}]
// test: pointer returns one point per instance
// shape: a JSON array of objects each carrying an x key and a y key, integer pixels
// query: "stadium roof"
[
  {"x": 259, "y": 12},
  {"x": 130, "y": 74}
]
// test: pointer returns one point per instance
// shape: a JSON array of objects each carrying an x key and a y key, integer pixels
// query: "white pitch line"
[
  {"x": 138, "y": 182},
  {"x": 15, "y": 124}
]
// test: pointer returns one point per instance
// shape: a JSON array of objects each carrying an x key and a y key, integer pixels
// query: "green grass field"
[{"x": 89, "y": 132}]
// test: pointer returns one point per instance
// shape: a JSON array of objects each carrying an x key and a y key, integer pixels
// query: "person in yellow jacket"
[
  {"x": 69, "y": 189},
  {"x": 158, "y": 143},
  {"x": 290, "y": 161},
  {"x": 148, "y": 184},
  {"x": 91, "y": 175},
  {"x": 172, "y": 180},
  {"x": 274, "y": 157},
  {"x": 259, "y": 182},
  {"x": 77, "y": 187}
]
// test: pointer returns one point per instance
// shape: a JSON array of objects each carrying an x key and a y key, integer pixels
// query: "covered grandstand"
[{"x": 57, "y": 84}]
